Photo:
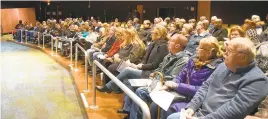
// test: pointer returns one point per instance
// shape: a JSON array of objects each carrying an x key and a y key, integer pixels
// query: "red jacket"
[{"x": 114, "y": 48}]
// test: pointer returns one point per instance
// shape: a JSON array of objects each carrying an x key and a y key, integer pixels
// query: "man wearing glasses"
[{"x": 234, "y": 89}]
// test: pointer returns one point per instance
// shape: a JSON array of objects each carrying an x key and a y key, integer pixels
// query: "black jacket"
[
  {"x": 220, "y": 34},
  {"x": 155, "y": 53},
  {"x": 109, "y": 44}
]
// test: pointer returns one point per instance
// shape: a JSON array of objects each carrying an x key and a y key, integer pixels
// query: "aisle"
[{"x": 33, "y": 86}]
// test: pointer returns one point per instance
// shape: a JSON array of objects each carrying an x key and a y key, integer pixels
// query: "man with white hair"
[
  {"x": 212, "y": 22},
  {"x": 233, "y": 90}
]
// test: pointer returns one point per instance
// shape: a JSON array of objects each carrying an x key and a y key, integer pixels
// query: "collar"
[
  {"x": 202, "y": 34},
  {"x": 246, "y": 68}
]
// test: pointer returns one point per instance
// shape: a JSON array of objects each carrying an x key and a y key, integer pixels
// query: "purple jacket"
[{"x": 196, "y": 78}]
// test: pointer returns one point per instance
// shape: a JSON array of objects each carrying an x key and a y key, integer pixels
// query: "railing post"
[
  {"x": 71, "y": 53},
  {"x": 76, "y": 56},
  {"x": 57, "y": 41},
  {"x": 43, "y": 40},
  {"x": 38, "y": 38},
  {"x": 94, "y": 106},
  {"x": 21, "y": 40},
  {"x": 26, "y": 36},
  {"x": 52, "y": 44},
  {"x": 86, "y": 72}
]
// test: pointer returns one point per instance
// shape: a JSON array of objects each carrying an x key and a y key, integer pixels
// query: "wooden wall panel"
[
  {"x": 203, "y": 9},
  {"x": 11, "y": 17}
]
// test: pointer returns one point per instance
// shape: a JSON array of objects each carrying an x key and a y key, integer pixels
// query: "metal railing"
[
  {"x": 26, "y": 41},
  {"x": 56, "y": 39},
  {"x": 71, "y": 52},
  {"x": 44, "y": 34},
  {"x": 144, "y": 107},
  {"x": 86, "y": 63},
  {"x": 21, "y": 40}
]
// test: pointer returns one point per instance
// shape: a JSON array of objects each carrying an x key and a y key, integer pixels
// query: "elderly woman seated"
[
  {"x": 233, "y": 90},
  {"x": 196, "y": 71}
]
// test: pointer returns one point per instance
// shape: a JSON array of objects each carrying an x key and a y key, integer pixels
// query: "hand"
[
  {"x": 139, "y": 66},
  {"x": 109, "y": 59},
  {"x": 171, "y": 84},
  {"x": 189, "y": 113},
  {"x": 164, "y": 87}
]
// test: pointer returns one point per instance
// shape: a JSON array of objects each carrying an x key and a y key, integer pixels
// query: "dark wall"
[
  {"x": 121, "y": 9},
  {"x": 236, "y": 12}
]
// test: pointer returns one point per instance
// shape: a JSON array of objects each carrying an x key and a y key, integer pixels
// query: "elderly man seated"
[{"x": 234, "y": 89}]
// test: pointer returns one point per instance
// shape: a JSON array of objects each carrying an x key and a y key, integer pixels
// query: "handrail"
[
  {"x": 144, "y": 107},
  {"x": 86, "y": 63},
  {"x": 45, "y": 34},
  {"x": 26, "y": 36},
  {"x": 21, "y": 40},
  {"x": 71, "y": 51}
]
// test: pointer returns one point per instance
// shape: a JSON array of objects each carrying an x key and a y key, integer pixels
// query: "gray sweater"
[{"x": 230, "y": 95}]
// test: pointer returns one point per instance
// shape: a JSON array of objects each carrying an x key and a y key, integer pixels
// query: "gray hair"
[{"x": 245, "y": 46}]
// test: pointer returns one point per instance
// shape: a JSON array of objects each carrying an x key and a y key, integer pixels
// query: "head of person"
[
  {"x": 255, "y": 18},
  {"x": 146, "y": 24},
  {"x": 186, "y": 29},
  {"x": 213, "y": 19},
  {"x": 249, "y": 24},
  {"x": 116, "y": 20},
  {"x": 208, "y": 49},
  {"x": 131, "y": 37},
  {"x": 20, "y": 21},
  {"x": 218, "y": 23},
  {"x": 136, "y": 20},
  {"x": 156, "y": 20},
  {"x": 203, "y": 18},
  {"x": 192, "y": 22},
  {"x": 112, "y": 31},
  {"x": 200, "y": 27},
  {"x": 236, "y": 31},
  {"x": 167, "y": 20},
  {"x": 159, "y": 32},
  {"x": 177, "y": 43},
  {"x": 129, "y": 24},
  {"x": 120, "y": 33},
  {"x": 172, "y": 27},
  {"x": 240, "y": 52}
]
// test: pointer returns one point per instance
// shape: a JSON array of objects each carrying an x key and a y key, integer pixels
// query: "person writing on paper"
[
  {"x": 234, "y": 89},
  {"x": 197, "y": 70},
  {"x": 154, "y": 55},
  {"x": 131, "y": 49}
]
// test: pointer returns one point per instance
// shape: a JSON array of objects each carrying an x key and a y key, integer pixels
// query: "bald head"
[{"x": 177, "y": 43}]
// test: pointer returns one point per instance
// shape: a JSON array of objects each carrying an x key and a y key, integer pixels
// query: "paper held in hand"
[
  {"x": 183, "y": 114},
  {"x": 122, "y": 65},
  {"x": 140, "y": 82},
  {"x": 162, "y": 98}
]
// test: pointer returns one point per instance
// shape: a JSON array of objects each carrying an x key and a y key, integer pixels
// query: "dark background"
[{"x": 230, "y": 12}]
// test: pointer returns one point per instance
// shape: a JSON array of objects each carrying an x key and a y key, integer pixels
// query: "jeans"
[
  {"x": 127, "y": 73},
  {"x": 94, "y": 56},
  {"x": 90, "y": 53},
  {"x": 135, "y": 111},
  {"x": 177, "y": 115}
]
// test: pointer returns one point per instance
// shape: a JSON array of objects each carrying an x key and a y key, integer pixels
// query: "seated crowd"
[{"x": 221, "y": 73}]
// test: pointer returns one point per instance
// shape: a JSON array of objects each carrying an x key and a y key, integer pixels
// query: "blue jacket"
[{"x": 230, "y": 95}]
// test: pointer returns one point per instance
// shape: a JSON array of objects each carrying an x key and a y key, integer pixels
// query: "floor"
[
  {"x": 33, "y": 86},
  {"x": 107, "y": 103}
]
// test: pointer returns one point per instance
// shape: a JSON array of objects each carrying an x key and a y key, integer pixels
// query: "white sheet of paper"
[
  {"x": 182, "y": 114},
  {"x": 162, "y": 98},
  {"x": 139, "y": 82}
]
